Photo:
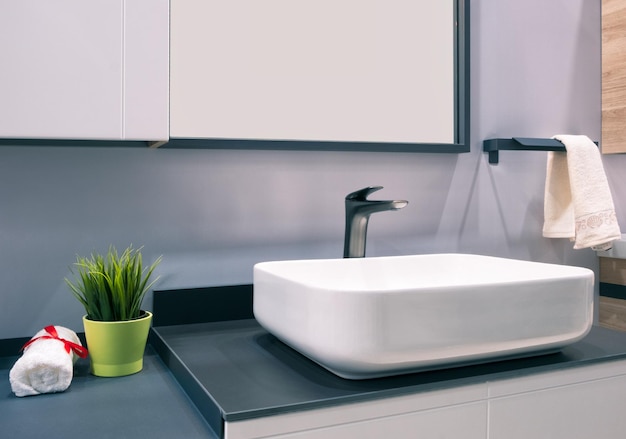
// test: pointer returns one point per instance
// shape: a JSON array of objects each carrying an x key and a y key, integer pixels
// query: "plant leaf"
[{"x": 112, "y": 287}]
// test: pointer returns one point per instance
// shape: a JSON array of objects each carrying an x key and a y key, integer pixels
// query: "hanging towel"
[
  {"x": 578, "y": 203},
  {"x": 47, "y": 365}
]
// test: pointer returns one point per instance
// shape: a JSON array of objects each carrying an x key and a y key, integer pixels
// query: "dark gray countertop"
[
  {"x": 148, "y": 404},
  {"x": 235, "y": 370}
]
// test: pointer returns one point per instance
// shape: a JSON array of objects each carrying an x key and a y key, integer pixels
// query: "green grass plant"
[{"x": 112, "y": 287}]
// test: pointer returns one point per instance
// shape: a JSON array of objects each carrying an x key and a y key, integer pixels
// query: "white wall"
[{"x": 212, "y": 214}]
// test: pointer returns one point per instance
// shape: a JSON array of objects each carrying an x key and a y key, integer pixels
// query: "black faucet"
[{"x": 358, "y": 211}]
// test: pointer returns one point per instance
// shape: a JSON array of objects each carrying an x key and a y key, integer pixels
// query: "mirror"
[{"x": 374, "y": 75}]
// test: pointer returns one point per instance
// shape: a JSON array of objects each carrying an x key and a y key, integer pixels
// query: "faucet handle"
[{"x": 361, "y": 194}]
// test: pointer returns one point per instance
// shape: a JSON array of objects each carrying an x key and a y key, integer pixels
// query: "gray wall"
[{"x": 212, "y": 214}]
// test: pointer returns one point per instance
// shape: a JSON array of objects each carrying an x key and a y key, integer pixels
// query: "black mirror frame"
[{"x": 462, "y": 114}]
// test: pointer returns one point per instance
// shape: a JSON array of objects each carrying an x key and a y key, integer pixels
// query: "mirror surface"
[{"x": 387, "y": 75}]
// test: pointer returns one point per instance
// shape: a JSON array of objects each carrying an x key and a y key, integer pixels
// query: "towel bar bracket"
[{"x": 494, "y": 146}]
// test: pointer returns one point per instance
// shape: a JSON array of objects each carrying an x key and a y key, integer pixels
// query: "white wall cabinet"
[
  {"x": 84, "y": 70},
  {"x": 575, "y": 403}
]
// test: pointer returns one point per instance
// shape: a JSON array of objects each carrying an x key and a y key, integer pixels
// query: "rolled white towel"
[{"x": 47, "y": 365}]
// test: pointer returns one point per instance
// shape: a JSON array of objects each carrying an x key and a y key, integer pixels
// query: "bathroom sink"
[{"x": 374, "y": 317}]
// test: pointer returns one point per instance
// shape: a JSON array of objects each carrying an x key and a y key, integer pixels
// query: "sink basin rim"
[{"x": 333, "y": 326}]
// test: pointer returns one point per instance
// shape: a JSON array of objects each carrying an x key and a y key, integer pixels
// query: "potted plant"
[{"x": 111, "y": 288}]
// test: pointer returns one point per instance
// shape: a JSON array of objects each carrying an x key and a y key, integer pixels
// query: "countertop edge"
[
  {"x": 204, "y": 402},
  {"x": 458, "y": 376}
]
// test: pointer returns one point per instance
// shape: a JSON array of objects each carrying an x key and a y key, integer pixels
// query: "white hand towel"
[
  {"x": 578, "y": 203},
  {"x": 47, "y": 365}
]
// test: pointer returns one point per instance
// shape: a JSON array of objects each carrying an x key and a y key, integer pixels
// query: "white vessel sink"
[{"x": 373, "y": 317}]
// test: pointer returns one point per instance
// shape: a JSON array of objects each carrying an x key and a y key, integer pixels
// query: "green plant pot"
[{"x": 117, "y": 348}]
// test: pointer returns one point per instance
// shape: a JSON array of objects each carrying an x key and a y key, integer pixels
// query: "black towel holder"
[{"x": 493, "y": 146}]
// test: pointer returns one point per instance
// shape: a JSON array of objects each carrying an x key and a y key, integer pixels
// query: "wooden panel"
[
  {"x": 613, "y": 76},
  {"x": 613, "y": 271},
  {"x": 613, "y": 313}
]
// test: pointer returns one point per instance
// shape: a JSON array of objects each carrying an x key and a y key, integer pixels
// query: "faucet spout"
[{"x": 358, "y": 211}]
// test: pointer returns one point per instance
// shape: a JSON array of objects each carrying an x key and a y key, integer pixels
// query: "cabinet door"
[
  {"x": 578, "y": 411},
  {"x": 79, "y": 70},
  {"x": 145, "y": 110},
  {"x": 458, "y": 412},
  {"x": 464, "y": 421},
  {"x": 62, "y": 69}
]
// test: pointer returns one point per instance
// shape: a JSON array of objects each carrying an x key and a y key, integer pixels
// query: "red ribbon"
[{"x": 79, "y": 350}]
